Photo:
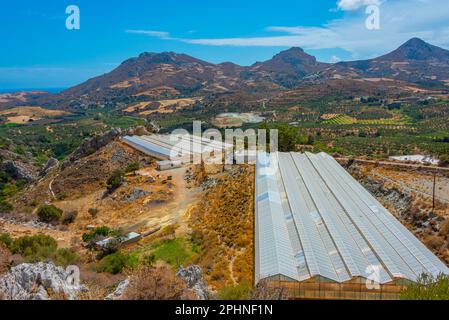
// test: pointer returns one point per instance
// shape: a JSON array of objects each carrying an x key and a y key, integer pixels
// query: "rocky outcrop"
[
  {"x": 91, "y": 146},
  {"x": 19, "y": 170},
  {"x": 38, "y": 282},
  {"x": 136, "y": 194},
  {"x": 193, "y": 277},
  {"x": 396, "y": 199},
  {"x": 136, "y": 131},
  {"x": 195, "y": 287},
  {"x": 51, "y": 164},
  {"x": 119, "y": 291}
]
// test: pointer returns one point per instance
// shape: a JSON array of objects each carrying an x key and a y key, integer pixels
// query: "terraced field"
[{"x": 342, "y": 119}]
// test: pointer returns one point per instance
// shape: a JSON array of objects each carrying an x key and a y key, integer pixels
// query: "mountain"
[
  {"x": 417, "y": 50},
  {"x": 288, "y": 68},
  {"x": 415, "y": 61},
  {"x": 169, "y": 75}
]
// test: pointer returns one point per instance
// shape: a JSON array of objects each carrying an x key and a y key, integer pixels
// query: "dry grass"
[
  {"x": 223, "y": 224},
  {"x": 154, "y": 283},
  {"x": 444, "y": 229},
  {"x": 26, "y": 113},
  {"x": 5, "y": 259}
]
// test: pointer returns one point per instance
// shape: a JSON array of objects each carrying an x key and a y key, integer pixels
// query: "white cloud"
[
  {"x": 350, "y": 5},
  {"x": 400, "y": 21},
  {"x": 157, "y": 34}
]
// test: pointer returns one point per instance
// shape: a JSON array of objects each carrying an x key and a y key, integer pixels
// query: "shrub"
[
  {"x": 102, "y": 232},
  {"x": 49, "y": 213},
  {"x": 5, "y": 239},
  {"x": 149, "y": 283},
  {"x": 115, "y": 263},
  {"x": 132, "y": 167},
  {"x": 427, "y": 288},
  {"x": 444, "y": 160},
  {"x": 241, "y": 291},
  {"x": 93, "y": 212},
  {"x": 5, "y": 206},
  {"x": 5, "y": 258},
  {"x": 434, "y": 242},
  {"x": 43, "y": 248},
  {"x": 34, "y": 246},
  {"x": 69, "y": 217},
  {"x": 115, "y": 180},
  {"x": 65, "y": 257},
  {"x": 444, "y": 228},
  {"x": 97, "y": 233}
]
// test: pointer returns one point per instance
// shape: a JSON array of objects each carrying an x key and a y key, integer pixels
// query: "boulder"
[
  {"x": 117, "y": 294},
  {"x": 136, "y": 194},
  {"x": 35, "y": 282},
  {"x": 136, "y": 131},
  {"x": 193, "y": 277},
  {"x": 91, "y": 146},
  {"x": 18, "y": 170},
  {"x": 49, "y": 166}
]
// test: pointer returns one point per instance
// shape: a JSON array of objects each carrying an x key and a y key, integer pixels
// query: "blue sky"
[{"x": 39, "y": 52}]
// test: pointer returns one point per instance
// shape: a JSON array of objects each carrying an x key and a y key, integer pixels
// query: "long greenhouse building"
[{"x": 321, "y": 235}]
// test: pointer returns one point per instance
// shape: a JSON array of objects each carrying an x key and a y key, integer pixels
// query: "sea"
[{"x": 51, "y": 90}]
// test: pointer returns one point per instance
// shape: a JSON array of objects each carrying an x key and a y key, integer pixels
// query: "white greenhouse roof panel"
[
  {"x": 314, "y": 219},
  {"x": 180, "y": 147}
]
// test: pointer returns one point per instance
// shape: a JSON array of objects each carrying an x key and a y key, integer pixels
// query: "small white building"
[
  {"x": 417, "y": 158},
  {"x": 168, "y": 165},
  {"x": 128, "y": 239}
]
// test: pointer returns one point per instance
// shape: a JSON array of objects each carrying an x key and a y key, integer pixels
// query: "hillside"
[{"x": 415, "y": 61}]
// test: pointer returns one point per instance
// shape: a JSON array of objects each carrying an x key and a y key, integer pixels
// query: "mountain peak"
[
  {"x": 292, "y": 53},
  {"x": 417, "y": 49},
  {"x": 293, "y": 50},
  {"x": 415, "y": 41},
  {"x": 289, "y": 66}
]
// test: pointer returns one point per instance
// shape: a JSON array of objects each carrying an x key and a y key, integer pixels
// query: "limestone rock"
[
  {"x": 19, "y": 170},
  {"x": 36, "y": 281},
  {"x": 117, "y": 294},
  {"x": 49, "y": 166},
  {"x": 193, "y": 277},
  {"x": 91, "y": 146}
]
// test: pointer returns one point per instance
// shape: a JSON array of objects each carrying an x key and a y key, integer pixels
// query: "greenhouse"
[{"x": 320, "y": 234}]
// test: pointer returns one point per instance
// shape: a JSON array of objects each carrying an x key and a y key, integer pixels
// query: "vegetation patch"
[
  {"x": 115, "y": 180},
  {"x": 49, "y": 213},
  {"x": 176, "y": 252},
  {"x": 427, "y": 288},
  {"x": 117, "y": 262},
  {"x": 101, "y": 232},
  {"x": 40, "y": 248}
]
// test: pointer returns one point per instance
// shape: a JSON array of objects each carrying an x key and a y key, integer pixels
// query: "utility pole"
[{"x": 434, "y": 189}]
